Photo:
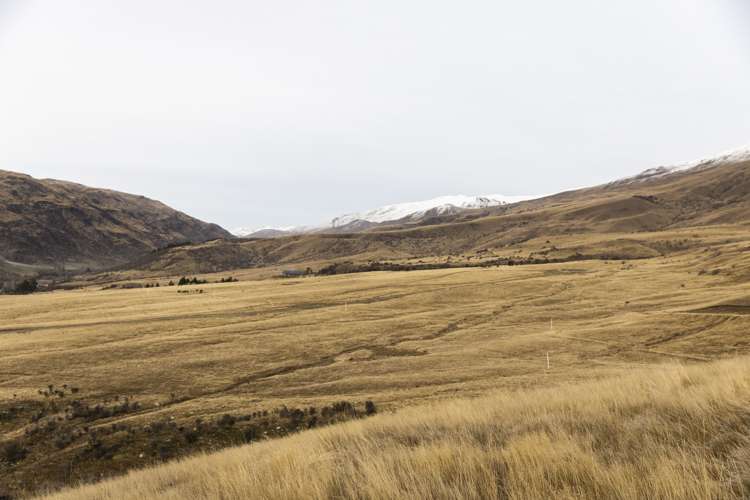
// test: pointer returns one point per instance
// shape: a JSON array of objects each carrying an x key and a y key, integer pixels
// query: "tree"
[
  {"x": 370, "y": 408},
  {"x": 27, "y": 286}
]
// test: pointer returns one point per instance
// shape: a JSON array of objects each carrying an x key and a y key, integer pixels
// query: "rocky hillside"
[{"x": 48, "y": 223}]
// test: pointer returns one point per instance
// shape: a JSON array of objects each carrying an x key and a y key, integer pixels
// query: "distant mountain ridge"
[
  {"x": 604, "y": 221},
  {"x": 395, "y": 213},
  {"x": 733, "y": 156},
  {"x": 59, "y": 224},
  {"x": 417, "y": 209},
  {"x": 452, "y": 205}
]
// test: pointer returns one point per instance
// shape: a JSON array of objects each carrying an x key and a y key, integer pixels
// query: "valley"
[
  {"x": 398, "y": 339},
  {"x": 375, "y": 250},
  {"x": 192, "y": 347}
]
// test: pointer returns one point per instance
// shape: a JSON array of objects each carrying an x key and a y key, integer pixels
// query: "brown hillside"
[
  {"x": 55, "y": 223},
  {"x": 617, "y": 217}
]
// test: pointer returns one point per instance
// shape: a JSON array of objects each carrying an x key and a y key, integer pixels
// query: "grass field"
[
  {"x": 663, "y": 433},
  {"x": 398, "y": 339}
]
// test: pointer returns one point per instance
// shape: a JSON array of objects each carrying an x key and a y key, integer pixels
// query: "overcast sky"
[{"x": 252, "y": 113}]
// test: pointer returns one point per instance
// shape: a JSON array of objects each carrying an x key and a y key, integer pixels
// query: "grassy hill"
[
  {"x": 622, "y": 213},
  {"x": 55, "y": 224},
  {"x": 663, "y": 433}
]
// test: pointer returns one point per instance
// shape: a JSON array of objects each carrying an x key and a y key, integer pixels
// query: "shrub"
[
  {"x": 191, "y": 437},
  {"x": 63, "y": 441},
  {"x": 250, "y": 434},
  {"x": 27, "y": 286},
  {"x": 370, "y": 408},
  {"x": 227, "y": 420},
  {"x": 14, "y": 452},
  {"x": 187, "y": 281},
  {"x": 296, "y": 416}
]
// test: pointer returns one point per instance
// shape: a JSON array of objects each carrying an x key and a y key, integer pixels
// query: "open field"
[
  {"x": 663, "y": 433},
  {"x": 409, "y": 299},
  {"x": 398, "y": 339}
]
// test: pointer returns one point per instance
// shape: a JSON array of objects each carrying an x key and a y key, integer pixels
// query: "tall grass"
[{"x": 666, "y": 433}]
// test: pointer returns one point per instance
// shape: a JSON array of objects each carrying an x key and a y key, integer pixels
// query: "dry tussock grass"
[
  {"x": 667, "y": 432},
  {"x": 398, "y": 339}
]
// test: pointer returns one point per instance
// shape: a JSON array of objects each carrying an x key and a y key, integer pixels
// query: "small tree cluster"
[
  {"x": 194, "y": 281},
  {"x": 27, "y": 286}
]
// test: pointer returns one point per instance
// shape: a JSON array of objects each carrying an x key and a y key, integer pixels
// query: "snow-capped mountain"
[
  {"x": 417, "y": 209},
  {"x": 409, "y": 211},
  {"x": 734, "y": 156}
]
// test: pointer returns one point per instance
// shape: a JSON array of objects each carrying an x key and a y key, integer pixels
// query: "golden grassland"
[
  {"x": 394, "y": 337},
  {"x": 403, "y": 339},
  {"x": 456, "y": 248},
  {"x": 664, "y": 433}
]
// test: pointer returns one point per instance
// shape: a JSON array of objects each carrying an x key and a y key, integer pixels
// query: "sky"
[{"x": 256, "y": 113}]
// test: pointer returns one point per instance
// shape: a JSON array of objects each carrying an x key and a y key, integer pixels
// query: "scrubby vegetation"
[
  {"x": 27, "y": 286},
  {"x": 183, "y": 281},
  {"x": 673, "y": 432},
  {"x": 188, "y": 281},
  {"x": 400, "y": 339},
  {"x": 352, "y": 267},
  {"x": 91, "y": 440}
]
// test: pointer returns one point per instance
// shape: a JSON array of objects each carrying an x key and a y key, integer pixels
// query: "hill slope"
[
  {"x": 55, "y": 223},
  {"x": 711, "y": 193},
  {"x": 225, "y": 352},
  {"x": 666, "y": 433}
]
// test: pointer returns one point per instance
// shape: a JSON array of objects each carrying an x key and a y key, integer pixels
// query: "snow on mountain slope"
[
  {"x": 734, "y": 156},
  {"x": 416, "y": 209},
  {"x": 399, "y": 211},
  {"x": 451, "y": 204}
]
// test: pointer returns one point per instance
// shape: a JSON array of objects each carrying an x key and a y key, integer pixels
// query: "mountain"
[
  {"x": 622, "y": 219},
  {"x": 735, "y": 156},
  {"x": 397, "y": 213},
  {"x": 434, "y": 207},
  {"x": 273, "y": 232},
  {"x": 47, "y": 223}
]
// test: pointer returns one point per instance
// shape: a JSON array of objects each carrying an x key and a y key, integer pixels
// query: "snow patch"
[
  {"x": 729, "y": 157},
  {"x": 396, "y": 212},
  {"x": 417, "y": 209}
]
